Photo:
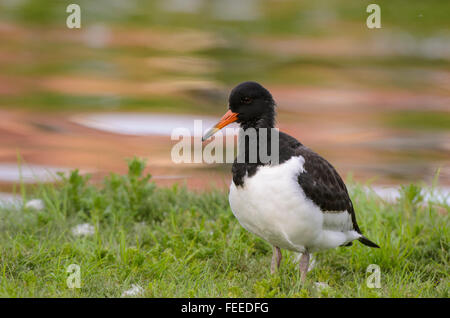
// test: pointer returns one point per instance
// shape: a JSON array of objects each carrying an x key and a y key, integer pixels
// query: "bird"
[{"x": 298, "y": 202}]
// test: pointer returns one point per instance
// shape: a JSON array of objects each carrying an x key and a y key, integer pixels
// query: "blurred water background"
[{"x": 374, "y": 102}]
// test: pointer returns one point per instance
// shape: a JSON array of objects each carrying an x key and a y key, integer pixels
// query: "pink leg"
[
  {"x": 304, "y": 264},
  {"x": 276, "y": 260}
]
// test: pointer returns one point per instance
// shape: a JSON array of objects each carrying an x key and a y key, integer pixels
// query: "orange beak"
[{"x": 227, "y": 119}]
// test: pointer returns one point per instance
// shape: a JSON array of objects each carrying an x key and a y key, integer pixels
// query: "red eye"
[{"x": 246, "y": 100}]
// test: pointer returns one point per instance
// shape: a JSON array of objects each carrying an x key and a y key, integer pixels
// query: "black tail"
[{"x": 367, "y": 242}]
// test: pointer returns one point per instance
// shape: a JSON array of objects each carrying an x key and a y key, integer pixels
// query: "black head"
[{"x": 253, "y": 104}]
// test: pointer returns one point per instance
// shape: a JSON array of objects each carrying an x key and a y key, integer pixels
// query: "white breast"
[{"x": 272, "y": 205}]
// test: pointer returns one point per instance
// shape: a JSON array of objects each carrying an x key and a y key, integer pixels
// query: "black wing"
[{"x": 321, "y": 183}]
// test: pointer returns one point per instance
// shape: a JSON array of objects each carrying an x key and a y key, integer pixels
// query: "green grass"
[{"x": 177, "y": 243}]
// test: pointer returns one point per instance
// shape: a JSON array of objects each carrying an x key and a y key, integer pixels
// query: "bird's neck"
[{"x": 256, "y": 135}]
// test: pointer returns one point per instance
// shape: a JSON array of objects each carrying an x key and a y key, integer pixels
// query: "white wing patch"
[{"x": 337, "y": 221}]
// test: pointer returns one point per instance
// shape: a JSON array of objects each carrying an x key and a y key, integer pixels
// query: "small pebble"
[
  {"x": 134, "y": 291},
  {"x": 84, "y": 229},
  {"x": 35, "y": 204}
]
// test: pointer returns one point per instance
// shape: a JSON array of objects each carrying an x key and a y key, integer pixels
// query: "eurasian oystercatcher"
[{"x": 299, "y": 203}]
